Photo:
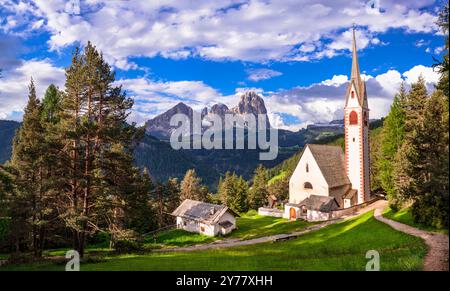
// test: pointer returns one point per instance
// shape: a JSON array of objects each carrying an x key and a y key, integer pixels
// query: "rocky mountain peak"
[
  {"x": 250, "y": 103},
  {"x": 219, "y": 109}
]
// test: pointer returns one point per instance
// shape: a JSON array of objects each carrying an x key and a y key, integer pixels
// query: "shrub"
[
  {"x": 128, "y": 241},
  {"x": 394, "y": 207}
]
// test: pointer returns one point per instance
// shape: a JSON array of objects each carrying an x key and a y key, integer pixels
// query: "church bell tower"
[{"x": 356, "y": 118}]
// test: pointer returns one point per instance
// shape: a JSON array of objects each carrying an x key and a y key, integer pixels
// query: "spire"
[
  {"x": 355, "y": 66},
  {"x": 355, "y": 77}
]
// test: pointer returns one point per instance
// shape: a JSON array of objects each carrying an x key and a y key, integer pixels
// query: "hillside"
[
  {"x": 163, "y": 162},
  {"x": 7, "y": 131}
]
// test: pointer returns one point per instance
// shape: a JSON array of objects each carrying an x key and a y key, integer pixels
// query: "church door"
[{"x": 292, "y": 214}]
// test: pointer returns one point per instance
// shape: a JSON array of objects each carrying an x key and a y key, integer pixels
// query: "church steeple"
[
  {"x": 356, "y": 131},
  {"x": 355, "y": 77}
]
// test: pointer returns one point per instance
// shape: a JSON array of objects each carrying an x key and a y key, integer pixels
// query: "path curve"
[{"x": 437, "y": 256}]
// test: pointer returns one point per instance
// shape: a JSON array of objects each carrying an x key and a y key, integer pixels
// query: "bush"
[
  {"x": 394, "y": 207},
  {"x": 431, "y": 210},
  {"x": 128, "y": 241}
]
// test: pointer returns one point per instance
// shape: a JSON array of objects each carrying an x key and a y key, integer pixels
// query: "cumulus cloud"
[
  {"x": 256, "y": 31},
  {"x": 14, "y": 85},
  {"x": 256, "y": 75},
  {"x": 288, "y": 109},
  {"x": 324, "y": 101}
]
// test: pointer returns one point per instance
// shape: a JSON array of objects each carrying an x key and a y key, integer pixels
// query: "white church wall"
[
  {"x": 297, "y": 192},
  {"x": 314, "y": 215}
]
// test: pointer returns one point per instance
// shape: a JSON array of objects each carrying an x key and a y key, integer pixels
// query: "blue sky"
[{"x": 296, "y": 54}]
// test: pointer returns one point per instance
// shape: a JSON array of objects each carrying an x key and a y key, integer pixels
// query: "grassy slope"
[
  {"x": 405, "y": 216},
  {"x": 252, "y": 225},
  {"x": 341, "y": 246}
]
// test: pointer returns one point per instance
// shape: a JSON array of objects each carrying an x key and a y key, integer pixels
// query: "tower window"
[
  {"x": 307, "y": 185},
  {"x": 353, "y": 94},
  {"x": 366, "y": 122},
  {"x": 307, "y": 168},
  {"x": 353, "y": 117},
  {"x": 353, "y": 139}
]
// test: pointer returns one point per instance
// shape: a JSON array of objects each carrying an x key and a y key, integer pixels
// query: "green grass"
[
  {"x": 177, "y": 238},
  {"x": 251, "y": 225},
  {"x": 405, "y": 216},
  {"x": 340, "y": 246}
]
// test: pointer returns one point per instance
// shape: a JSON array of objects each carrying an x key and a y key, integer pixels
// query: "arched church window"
[
  {"x": 353, "y": 117},
  {"x": 353, "y": 94},
  {"x": 366, "y": 122},
  {"x": 307, "y": 185},
  {"x": 307, "y": 168}
]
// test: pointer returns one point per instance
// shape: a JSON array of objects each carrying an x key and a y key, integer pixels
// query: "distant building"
[{"x": 205, "y": 218}]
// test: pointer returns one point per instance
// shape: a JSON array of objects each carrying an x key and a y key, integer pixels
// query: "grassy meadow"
[{"x": 341, "y": 246}]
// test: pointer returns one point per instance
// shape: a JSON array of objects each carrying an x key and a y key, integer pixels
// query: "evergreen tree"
[
  {"x": 421, "y": 166},
  {"x": 191, "y": 187},
  {"x": 31, "y": 202},
  {"x": 233, "y": 192},
  {"x": 280, "y": 188},
  {"x": 258, "y": 192},
  {"x": 97, "y": 144},
  {"x": 443, "y": 65},
  {"x": 51, "y": 104},
  {"x": 165, "y": 199},
  {"x": 392, "y": 136}
]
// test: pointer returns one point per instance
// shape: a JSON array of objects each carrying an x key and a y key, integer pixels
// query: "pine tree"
[
  {"x": 51, "y": 104},
  {"x": 191, "y": 187},
  {"x": 443, "y": 65},
  {"x": 28, "y": 160},
  {"x": 97, "y": 144},
  {"x": 392, "y": 136},
  {"x": 279, "y": 188},
  {"x": 166, "y": 198},
  {"x": 233, "y": 192},
  {"x": 258, "y": 192},
  {"x": 421, "y": 167}
]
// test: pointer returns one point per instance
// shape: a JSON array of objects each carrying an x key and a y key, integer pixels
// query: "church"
[{"x": 326, "y": 178}]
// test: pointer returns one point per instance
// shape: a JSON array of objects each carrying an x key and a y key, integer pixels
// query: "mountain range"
[
  {"x": 250, "y": 103},
  {"x": 154, "y": 151}
]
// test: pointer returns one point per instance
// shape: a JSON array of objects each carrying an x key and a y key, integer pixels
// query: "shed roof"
[
  {"x": 320, "y": 203},
  {"x": 330, "y": 160},
  {"x": 201, "y": 211}
]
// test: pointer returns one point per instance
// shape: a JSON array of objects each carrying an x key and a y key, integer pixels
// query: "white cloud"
[
  {"x": 256, "y": 75},
  {"x": 428, "y": 74},
  {"x": 438, "y": 50},
  {"x": 422, "y": 42},
  {"x": 256, "y": 31},
  {"x": 324, "y": 101},
  {"x": 337, "y": 80},
  {"x": 14, "y": 85},
  {"x": 320, "y": 102}
]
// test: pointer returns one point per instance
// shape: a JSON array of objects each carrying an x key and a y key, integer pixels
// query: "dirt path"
[
  {"x": 235, "y": 242},
  {"x": 437, "y": 256}
]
